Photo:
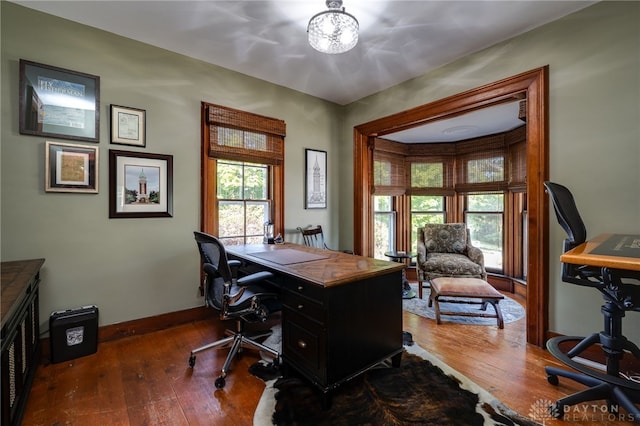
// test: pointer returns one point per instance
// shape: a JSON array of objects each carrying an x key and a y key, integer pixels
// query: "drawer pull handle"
[
  {"x": 300, "y": 306},
  {"x": 302, "y": 344},
  {"x": 300, "y": 288}
]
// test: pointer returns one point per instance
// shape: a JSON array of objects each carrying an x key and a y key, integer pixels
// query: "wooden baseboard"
[{"x": 140, "y": 326}]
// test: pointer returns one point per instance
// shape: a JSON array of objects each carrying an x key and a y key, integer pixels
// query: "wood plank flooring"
[{"x": 146, "y": 380}]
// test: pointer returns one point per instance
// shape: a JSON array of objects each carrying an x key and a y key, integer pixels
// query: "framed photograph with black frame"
[
  {"x": 140, "y": 185},
  {"x": 315, "y": 184},
  {"x": 60, "y": 103},
  {"x": 71, "y": 168},
  {"x": 128, "y": 126}
]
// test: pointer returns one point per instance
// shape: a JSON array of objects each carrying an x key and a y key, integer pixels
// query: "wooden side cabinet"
[{"x": 20, "y": 335}]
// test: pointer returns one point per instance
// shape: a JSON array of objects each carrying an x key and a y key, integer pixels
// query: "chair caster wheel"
[
  {"x": 192, "y": 361},
  {"x": 553, "y": 379},
  {"x": 220, "y": 382}
]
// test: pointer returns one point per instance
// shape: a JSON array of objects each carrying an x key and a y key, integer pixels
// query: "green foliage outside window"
[
  {"x": 484, "y": 219},
  {"x": 425, "y": 209},
  {"x": 243, "y": 204}
]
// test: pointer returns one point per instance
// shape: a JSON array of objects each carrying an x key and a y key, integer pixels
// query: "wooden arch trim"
[{"x": 532, "y": 86}]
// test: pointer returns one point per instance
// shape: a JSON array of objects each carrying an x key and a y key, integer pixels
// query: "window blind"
[
  {"x": 388, "y": 167},
  {"x": 243, "y": 136},
  {"x": 481, "y": 165}
]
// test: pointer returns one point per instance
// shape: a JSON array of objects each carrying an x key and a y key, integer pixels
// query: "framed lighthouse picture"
[
  {"x": 140, "y": 185},
  {"x": 315, "y": 196}
]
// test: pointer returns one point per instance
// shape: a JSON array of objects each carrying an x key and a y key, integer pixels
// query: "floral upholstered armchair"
[{"x": 445, "y": 250}]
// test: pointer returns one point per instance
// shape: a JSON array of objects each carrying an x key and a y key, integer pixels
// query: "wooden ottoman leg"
[
  {"x": 496, "y": 306},
  {"x": 433, "y": 300}
]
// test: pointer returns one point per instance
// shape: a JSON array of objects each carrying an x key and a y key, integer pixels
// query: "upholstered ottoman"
[{"x": 474, "y": 291}]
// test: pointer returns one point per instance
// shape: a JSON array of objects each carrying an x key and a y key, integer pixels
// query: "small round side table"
[{"x": 401, "y": 257}]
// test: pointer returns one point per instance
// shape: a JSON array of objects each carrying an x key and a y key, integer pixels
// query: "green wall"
[{"x": 133, "y": 268}]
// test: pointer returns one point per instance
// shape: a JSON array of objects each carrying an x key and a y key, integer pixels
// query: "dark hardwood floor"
[{"x": 146, "y": 380}]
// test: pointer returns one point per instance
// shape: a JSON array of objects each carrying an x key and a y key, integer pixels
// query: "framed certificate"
[
  {"x": 71, "y": 167},
  {"x": 128, "y": 126},
  {"x": 59, "y": 103}
]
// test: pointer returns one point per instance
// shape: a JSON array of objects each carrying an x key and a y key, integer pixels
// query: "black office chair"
[
  {"x": 244, "y": 299},
  {"x": 619, "y": 297},
  {"x": 313, "y": 236}
]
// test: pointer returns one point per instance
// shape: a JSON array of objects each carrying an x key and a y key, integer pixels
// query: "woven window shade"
[
  {"x": 431, "y": 176},
  {"x": 388, "y": 174},
  {"x": 243, "y": 136},
  {"x": 388, "y": 167},
  {"x": 481, "y": 166}
]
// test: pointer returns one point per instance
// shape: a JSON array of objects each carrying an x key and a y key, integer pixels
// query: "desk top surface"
[
  {"x": 318, "y": 266},
  {"x": 618, "y": 251}
]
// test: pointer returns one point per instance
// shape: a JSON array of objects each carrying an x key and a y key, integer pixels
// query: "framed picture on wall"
[
  {"x": 71, "y": 167},
  {"x": 59, "y": 103},
  {"x": 315, "y": 184},
  {"x": 140, "y": 185},
  {"x": 128, "y": 126}
]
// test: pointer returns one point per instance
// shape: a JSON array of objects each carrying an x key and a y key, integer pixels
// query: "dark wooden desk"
[
  {"x": 342, "y": 313},
  {"x": 614, "y": 251}
]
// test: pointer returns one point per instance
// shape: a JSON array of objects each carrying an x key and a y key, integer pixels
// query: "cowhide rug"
[{"x": 422, "y": 391}]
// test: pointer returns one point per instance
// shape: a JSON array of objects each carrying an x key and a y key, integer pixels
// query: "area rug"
[
  {"x": 422, "y": 391},
  {"x": 511, "y": 310}
]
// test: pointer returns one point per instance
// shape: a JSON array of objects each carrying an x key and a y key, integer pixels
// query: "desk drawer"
[
  {"x": 311, "y": 291},
  {"x": 304, "y": 345},
  {"x": 304, "y": 306}
]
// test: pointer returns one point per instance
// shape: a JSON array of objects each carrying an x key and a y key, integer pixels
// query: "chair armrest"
[
  {"x": 234, "y": 265},
  {"x": 475, "y": 254},
  {"x": 254, "y": 278}
]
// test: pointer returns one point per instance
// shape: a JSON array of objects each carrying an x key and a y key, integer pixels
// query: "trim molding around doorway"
[{"x": 532, "y": 86}]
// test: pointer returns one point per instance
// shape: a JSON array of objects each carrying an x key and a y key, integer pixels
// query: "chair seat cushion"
[{"x": 451, "y": 264}]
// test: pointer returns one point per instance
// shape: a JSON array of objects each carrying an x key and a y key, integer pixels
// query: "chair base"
[
  {"x": 617, "y": 391},
  {"x": 237, "y": 341}
]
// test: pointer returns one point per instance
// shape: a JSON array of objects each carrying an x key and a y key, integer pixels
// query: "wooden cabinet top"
[{"x": 16, "y": 279}]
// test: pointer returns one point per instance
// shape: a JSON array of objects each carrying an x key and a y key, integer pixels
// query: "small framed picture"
[
  {"x": 140, "y": 185},
  {"x": 128, "y": 126},
  {"x": 59, "y": 103},
  {"x": 71, "y": 167},
  {"x": 315, "y": 196}
]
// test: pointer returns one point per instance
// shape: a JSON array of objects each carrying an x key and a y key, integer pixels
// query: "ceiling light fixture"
[{"x": 334, "y": 30}]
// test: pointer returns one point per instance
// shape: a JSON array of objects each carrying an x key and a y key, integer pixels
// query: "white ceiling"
[
  {"x": 486, "y": 121},
  {"x": 399, "y": 40}
]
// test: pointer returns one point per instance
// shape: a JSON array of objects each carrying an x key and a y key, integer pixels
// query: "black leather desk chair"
[
  {"x": 243, "y": 299},
  {"x": 619, "y": 297}
]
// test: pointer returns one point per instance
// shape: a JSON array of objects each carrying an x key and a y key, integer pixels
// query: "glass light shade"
[{"x": 333, "y": 31}]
